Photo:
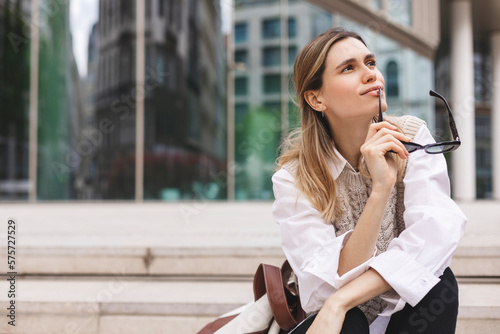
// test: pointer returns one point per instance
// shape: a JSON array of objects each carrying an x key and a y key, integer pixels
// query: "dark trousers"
[{"x": 436, "y": 313}]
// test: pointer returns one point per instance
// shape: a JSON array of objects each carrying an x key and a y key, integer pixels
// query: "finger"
[
  {"x": 384, "y": 132},
  {"x": 384, "y": 144},
  {"x": 376, "y": 127},
  {"x": 397, "y": 148}
]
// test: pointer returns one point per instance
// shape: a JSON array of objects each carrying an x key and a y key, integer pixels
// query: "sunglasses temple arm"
[
  {"x": 451, "y": 120},
  {"x": 380, "y": 114}
]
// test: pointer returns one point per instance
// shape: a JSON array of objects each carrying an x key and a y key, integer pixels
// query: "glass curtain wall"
[
  {"x": 87, "y": 97},
  {"x": 263, "y": 33},
  {"x": 15, "y": 19},
  {"x": 264, "y": 108},
  {"x": 483, "y": 89},
  {"x": 185, "y": 108},
  {"x": 267, "y": 37},
  {"x": 86, "y": 100}
]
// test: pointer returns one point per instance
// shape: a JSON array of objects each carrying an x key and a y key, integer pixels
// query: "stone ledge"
[
  {"x": 208, "y": 298},
  {"x": 124, "y": 305},
  {"x": 211, "y": 238},
  {"x": 467, "y": 262}
]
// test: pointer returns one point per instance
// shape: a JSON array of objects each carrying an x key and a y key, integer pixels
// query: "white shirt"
[{"x": 412, "y": 262}]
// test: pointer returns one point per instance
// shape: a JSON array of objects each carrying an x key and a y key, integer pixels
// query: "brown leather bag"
[{"x": 283, "y": 298}]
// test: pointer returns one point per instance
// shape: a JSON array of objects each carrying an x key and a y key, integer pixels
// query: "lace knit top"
[{"x": 353, "y": 190}]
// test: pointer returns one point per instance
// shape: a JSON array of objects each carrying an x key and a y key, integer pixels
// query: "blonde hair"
[{"x": 311, "y": 145}]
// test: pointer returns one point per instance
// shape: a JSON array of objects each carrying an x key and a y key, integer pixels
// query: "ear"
[{"x": 314, "y": 100}]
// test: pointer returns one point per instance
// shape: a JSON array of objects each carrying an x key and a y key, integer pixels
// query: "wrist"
[
  {"x": 381, "y": 191},
  {"x": 336, "y": 304}
]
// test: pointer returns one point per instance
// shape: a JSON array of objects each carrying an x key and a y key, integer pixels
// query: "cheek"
[
  {"x": 380, "y": 76},
  {"x": 342, "y": 88}
]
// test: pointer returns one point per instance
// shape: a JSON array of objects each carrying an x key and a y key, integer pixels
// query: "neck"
[{"x": 348, "y": 136}]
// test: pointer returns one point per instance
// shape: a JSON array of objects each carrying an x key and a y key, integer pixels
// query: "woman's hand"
[
  {"x": 329, "y": 319},
  {"x": 381, "y": 139}
]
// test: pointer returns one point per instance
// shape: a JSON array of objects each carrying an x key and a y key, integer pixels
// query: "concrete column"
[
  {"x": 33, "y": 104},
  {"x": 495, "y": 114},
  {"x": 140, "y": 50},
  {"x": 462, "y": 96}
]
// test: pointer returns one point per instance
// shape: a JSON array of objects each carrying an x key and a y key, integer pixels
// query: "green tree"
[{"x": 257, "y": 139}]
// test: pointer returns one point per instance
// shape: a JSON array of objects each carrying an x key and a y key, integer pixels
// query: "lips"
[{"x": 372, "y": 90}]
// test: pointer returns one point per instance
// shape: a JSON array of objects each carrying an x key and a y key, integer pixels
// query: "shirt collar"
[{"x": 338, "y": 164}]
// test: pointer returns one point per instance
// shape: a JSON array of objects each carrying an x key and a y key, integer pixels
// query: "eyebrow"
[{"x": 350, "y": 60}]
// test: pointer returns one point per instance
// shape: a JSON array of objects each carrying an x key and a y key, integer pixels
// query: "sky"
[{"x": 83, "y": 14}]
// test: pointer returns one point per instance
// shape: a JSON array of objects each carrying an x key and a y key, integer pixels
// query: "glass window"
[
  {"x": 273, "y": 106},
  {"x": 271, "y": 56},
  {"x": 240, "y": 86},
  {"x": 400, "y": 11},
  {"x": 14, "y": 102},
  {"x": 408, "y": 89},
  {"x": 292, "y": 27},
  {"x": 392, "y": 80},
  {"x": 86, "y": 109},
  {"x": 292, "y": 54},
  {"x": 185, "y": 113},
  {"x": 483, "y": 127},
  {"x": 241, "y": 56},
  {"x": 257, "y": 137},
  {"x": 161, "y": 7},
  {"x": 483, "y": 75},
  {"x": 240, "y": 32},
  {"x": 127, "y": 11},
  {"x": 271, "y": 28},
  {"x": 240, "y": 110},
  {"x": 87, "y": 102},
  {"x": 272, "y": 84}
]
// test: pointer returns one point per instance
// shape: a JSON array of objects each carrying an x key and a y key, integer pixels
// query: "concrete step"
[
  {"x": 204, "y": 238},
  {"x": 469, "y": 261},
  {"x": 165, "y": 261},
  {"x": 124, "y": 305}
]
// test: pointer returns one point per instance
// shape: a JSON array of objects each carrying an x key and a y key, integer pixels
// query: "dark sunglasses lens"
[
  {"x": 441, "y": 148},
  {"x": 411, "y": 147}
]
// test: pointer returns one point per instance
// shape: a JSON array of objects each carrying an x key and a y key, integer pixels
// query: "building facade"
[
  {"x": 141, "y": 100},
  {"x": 14, "y": 99},
  {"x": 468, "y": 68},
  {"x": 109, "y": 99},
  {"x": 267, "y": 37}
]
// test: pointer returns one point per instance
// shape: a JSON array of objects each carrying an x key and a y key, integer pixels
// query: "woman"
[{"x": 368, "y": 228}]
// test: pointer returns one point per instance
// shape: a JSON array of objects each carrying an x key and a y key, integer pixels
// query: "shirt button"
[{"x": 423, "y": 281}]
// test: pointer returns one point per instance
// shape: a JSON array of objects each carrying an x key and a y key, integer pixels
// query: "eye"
[
  {"x": 347, "y": 68},
  {"x": 371, "y": 63}
]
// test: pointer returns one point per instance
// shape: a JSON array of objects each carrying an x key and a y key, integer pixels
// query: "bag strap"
[{"x": 283, "y": 297}]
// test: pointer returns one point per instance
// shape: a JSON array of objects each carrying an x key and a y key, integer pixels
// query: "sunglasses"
[{"x": 435, "y": 148}]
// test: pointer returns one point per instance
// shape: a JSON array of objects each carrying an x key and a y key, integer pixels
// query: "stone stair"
[{"x": 171, "y": 268}]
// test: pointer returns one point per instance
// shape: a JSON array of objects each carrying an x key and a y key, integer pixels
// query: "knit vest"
[{"x": 353, "y": 190}]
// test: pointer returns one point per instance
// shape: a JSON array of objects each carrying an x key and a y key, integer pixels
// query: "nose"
[{"x": 369, "y": 75}]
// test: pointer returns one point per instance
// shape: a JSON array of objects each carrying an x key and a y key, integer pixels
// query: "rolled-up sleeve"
[
  {"x": 434, "y": 226},
  {"x": 309, "y": 244}
]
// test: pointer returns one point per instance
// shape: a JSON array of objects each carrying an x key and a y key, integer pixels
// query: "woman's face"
[{"x": 351, "y": 81}]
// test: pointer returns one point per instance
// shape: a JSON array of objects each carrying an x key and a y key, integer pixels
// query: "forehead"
[{"x": 346, "y": 49}]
